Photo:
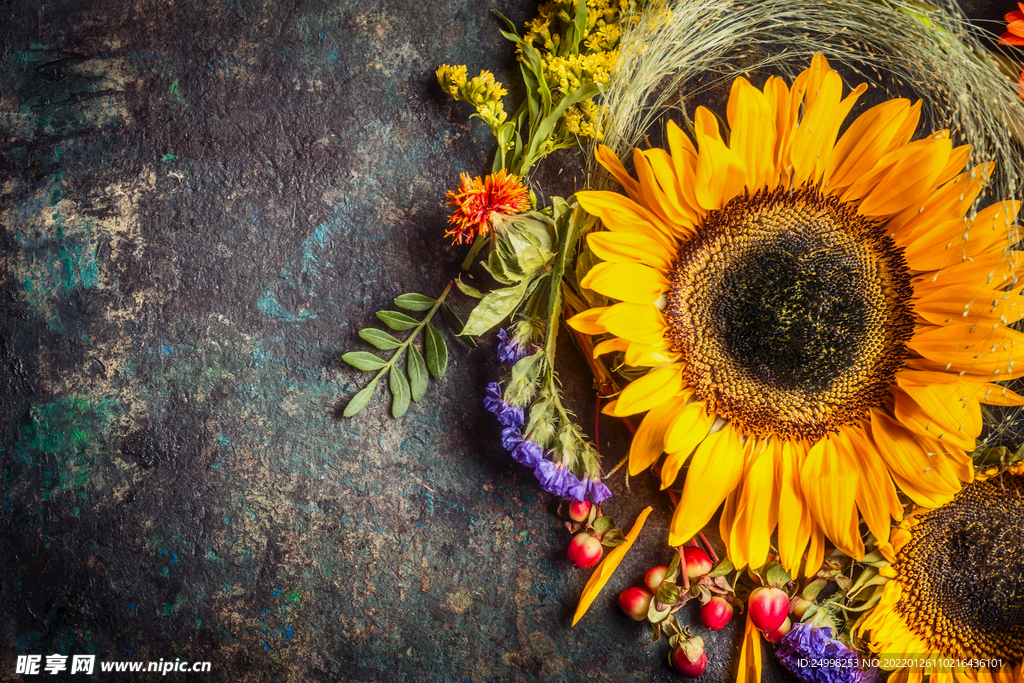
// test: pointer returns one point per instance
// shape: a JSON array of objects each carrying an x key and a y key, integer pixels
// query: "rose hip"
[
  {"x": 776, "y": 635},
  {"x": 716, "y": 613},
  {"x": 635, "y": 602},
  {"x": 697, "y": 562},
  {"x": 769, "y": 607},
  {"x": 579, "y": 512},
  {"x": 654, "y": 577},
  {"x": 691, "y": 669},
  {"x": 585, "y": 550}
]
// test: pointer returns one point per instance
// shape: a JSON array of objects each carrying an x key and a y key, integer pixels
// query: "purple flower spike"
[
  {"x": 528, "y": 453},
  {"x": 509, "y": 350},
  {"x": 549, "y": 475},
  {"x": 507, "y": 414},
  {"x": 805, "y": 644}
]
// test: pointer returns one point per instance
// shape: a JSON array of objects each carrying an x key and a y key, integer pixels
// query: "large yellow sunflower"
[
  {"x": 822, "y": 314},
  {"x": 956, "y": 589}
]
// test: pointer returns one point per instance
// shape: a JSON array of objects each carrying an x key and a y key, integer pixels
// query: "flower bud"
[
  {"x": 635, "y": 602},
  {"x": 769, "y": 607},
  {"x": 689, "y": 658},
  {"x": 716, "y": 613},
  {"x": 697, "y": 562},
  {"x": 585, "y": 550},
  {"x": 654, "y": 576}
]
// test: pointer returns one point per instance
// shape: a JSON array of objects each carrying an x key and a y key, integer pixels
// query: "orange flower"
[
  {"x": 1014, "y": 27},
  {"x": 477, "y": 199}
]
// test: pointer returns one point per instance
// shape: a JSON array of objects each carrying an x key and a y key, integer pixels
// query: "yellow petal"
[
  {"x": 973, "y": 349},
  {"x": 586, "y": 322},
  {"x": 651, "y": 355},
  {"x": 684, "y": 160},
  {"x": 829, "y": 483},
  {"x": 750, "y": 655},
  {"x": 970, "y": 305},
  {"x": 661, "y": 190},
  {"x": 909, "y": 179},
  {"x": 632, "y": 282},
  {"x": 649, "y": 440},
  {"x": 911, "y": 469},
  {"x": 621, "y": 247},
  {"x": 650, "y": 391},
  {"x": 794, "y": 516},
  {"x": 714, "y": 472},
  {"x": 689, "y": 428},
  {"x": 610, "y": 346},
  {"x": 932, "y": 219},
  {"x": 749, "y": 111},
  {"x": 939, "y": 405},
  {"x": 642, "y": 323},
  {"x": 607, "y": 158},
  {"x": 720, "y": 173},
  {"x": 876, "y": 496},
  {"x": 622, "y": 214},
  {"x": 758, "y": 507},
  {"x": 864, "y": 143},
  {"x": 608, "y": 566}
]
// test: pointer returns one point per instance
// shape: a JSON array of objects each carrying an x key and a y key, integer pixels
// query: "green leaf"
[
  {"x": 396, "y": 320},
  {"x": 415, "y": 302},
  {"x": 364, "y": 360},
  {"x": 723, "y": 568},
  {"x": 437, "y": 352},
  {"x": 673, "y": 568},
  {"x": 655, "y": 615},
  {"x": 494, "y": 308},
  {"x": 579, "y": 26},
  {"x": 469, "y": 290},
  {"x": 777, "y": 576},
  {"x": 379, "y": 338},
  {"x": 360, "y": 400},
  {"x": 417, "y": 373},
  {"x": 400, "y": 391}
]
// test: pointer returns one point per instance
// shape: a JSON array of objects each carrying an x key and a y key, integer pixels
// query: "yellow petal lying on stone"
[{"x": 608, "y": 566}]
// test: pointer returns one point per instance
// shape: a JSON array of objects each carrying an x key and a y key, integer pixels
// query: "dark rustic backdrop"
[{"x": 202, "y": 202}]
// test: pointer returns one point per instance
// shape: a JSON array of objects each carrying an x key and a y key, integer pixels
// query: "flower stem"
[{"x": 415, "y": 332}]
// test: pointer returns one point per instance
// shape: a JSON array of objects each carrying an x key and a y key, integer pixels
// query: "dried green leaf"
[
  {"x": 613, "y": 538},
  {"x": 494, "y": 308},
  {"x": 379, "y": 338},
  {"x": 603, "y": 525},
  {"x": 668, "y": 593},
  {"x": 417, "y": 374},
  {"x": 415, "y": 302},
  {"x": 437, "y": 352},
  {"x": 364, "y": 360},
  {"x": 360, "y": 400},
  {"x": 400, "y": 391},
  {"x": 396, "y": 320}
]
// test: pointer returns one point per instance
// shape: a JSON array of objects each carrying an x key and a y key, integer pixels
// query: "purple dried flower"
[
  {"x": 510, "y": 351},
  {"x": 528, "y": 453},
  {"x": 507, "y": 414},
  {"x": 549, "y": 475},
  {"x": 805, "y": 645},
  {"x": 575, "y": 489},
  {"x": 597, "y": 490}
]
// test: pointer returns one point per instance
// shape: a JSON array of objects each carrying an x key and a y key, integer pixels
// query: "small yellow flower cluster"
[
  {"x": 566, "y": 70},
  {"x": 483, "y": 92}
]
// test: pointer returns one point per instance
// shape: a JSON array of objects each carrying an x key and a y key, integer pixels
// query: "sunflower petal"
[
  {"x": 720, "y": 173},
  {"x": 973, "y": 349},
  {"x": 750, "y": 655},
  {"x": 621, "y": 247},
  {"x": 649, "y": 440},
  {"x": 714, "y": 472},
  {"x": 586, "y": 322},
  {"x": 650, "y": 391},
  {"x": 641, "y": 323},
  {"x": 758, "y": 507},
  {"x": 607, "y": 158},
  {"x": 829, "y": 482},
  {"x": 622, "y": 214},
  {"x": 794, "y": 516},
  {"x": 938, "y": 405},
  {"x": 633, "y": 282},
  {"x": 689, "y": 428},
  {"x": 751, "y": 139}
]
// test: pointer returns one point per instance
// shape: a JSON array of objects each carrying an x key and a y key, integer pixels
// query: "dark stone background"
[{"x": 203, "y": 201}]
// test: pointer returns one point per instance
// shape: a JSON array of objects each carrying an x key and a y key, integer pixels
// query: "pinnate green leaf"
[
  {"x": 379, "y": 338},
  {"x": 417, "y": 374},
  {"x": 364, "y": 360},
  {"x": 396, "y": 320},
  {"x": 437, "y": 352},
  {"x": 400, "y": 392},
  {"x": 360, "y": 400},
  {"x": 415, "y": 302}
]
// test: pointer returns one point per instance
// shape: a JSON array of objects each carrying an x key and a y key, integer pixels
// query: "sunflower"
[
  {"x": 822, "y": 314},
  {"x": 476, "y": 199},
  {"x": 956, "y": 588}
]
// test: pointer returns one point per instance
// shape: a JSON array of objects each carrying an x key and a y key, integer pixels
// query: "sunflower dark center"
[
  {"x": 962, "y": 573},
  {"x": 792, "y": 312}
]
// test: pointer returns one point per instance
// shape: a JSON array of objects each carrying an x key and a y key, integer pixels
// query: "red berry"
[
  {"x": 769, "y": 607},
  {"x": 776, "y": 635},
  {"x": 635, "y": 602},
  {"x": 654, "y": 576},
  {"x": 585, "y": 550},
  {"x": 716, "y": 613},
  {"x": 579, "y": 512},
  {"x": 685, "y": 666},
  {"x": 697, "y": 562}
]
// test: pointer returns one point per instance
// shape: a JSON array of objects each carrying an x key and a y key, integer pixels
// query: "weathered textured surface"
[{"x": 202, "y": 203}]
